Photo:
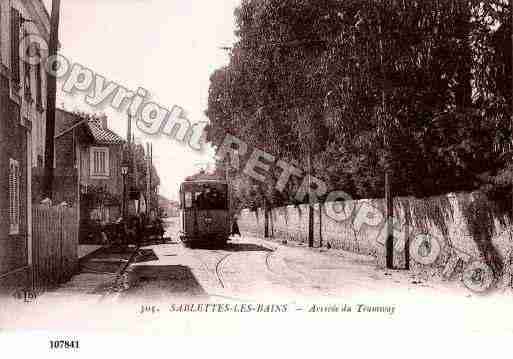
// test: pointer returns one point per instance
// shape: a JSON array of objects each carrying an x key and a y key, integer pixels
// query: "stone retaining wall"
[{"x": 442, "y": 236}]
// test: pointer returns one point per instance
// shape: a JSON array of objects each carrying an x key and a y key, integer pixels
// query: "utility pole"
[
  {"x": 511, "y": 120},
  {"x": 51, "y": 96},
  {"x": 147, "y": 178},
  {"x": 135, "y": 182},
  {"x": 310, "y": 204},
  {"x": 228, "y": 167},
  {"x": 124, "y": 205},
  {"x": 127, "y": 159},
  {"x": 389, "y": 218},
  {"x": 389, "y": 201},
  {"x": 321, "y": 207},
  {"x": 129, "y": 128},
  {"x": 266, "y": 218},
  {"x": 151, "y": 168}
]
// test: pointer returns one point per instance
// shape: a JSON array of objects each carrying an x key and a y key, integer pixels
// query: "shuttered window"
[
  {"x": 99, "y": 161},
  {"x": 27, "y": 73},
  {"x": 15, "y": 45},
  {"x": 14, "y": 197}
]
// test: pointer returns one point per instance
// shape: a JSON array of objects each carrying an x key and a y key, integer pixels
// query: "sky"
[{"x": 168, "y": 47}]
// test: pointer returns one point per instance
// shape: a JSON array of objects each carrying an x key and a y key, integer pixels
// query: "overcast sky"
[{"x": 168, "y": 47}]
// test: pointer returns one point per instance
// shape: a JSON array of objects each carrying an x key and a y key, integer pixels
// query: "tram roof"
[
  {"x": 205, "y": 176},
  {"x": 192, "y": 183},
  {"x": 205, "y": 180}
]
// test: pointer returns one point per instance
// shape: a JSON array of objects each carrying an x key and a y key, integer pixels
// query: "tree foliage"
[{"x": 420, "y": 87}]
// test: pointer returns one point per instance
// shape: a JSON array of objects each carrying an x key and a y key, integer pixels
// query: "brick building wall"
[
  {"x": 13, "y": 144},
  {"x": 23, "y": 142}
]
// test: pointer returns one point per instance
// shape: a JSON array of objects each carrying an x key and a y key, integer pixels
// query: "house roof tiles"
[
  {"x": 95, "y": 127},
  {"x": 102, "y": 135}
]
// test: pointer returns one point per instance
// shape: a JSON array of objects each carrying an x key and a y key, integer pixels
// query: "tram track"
[
  {"x": 286, "y": 271},
  {"x": 216, "y": 266},
  {"x": 219, "y": 267},
  {"x": 268, "y": 257},
  {"x": 215, "y": 269}
]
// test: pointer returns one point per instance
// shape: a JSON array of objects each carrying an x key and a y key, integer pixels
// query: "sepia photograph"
[{"x": 182, "y": 175}]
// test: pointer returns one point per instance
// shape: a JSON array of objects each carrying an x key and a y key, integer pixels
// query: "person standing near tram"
[{"x": 235, "y": 226}]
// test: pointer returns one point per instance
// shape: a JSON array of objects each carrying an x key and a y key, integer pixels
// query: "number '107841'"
[{"x": 64, "y": 344}]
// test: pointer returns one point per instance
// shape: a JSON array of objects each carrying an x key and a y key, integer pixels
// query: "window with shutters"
[
  {"x": 99, "y": 162},
  {"x": 14, "y": 197},
  {"x": 15, "y": 46},
  {"x": 27, "y": 74}
]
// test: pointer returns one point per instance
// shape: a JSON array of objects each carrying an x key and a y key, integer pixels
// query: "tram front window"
[
  {"x": 209, "y": 198},
  {"x": 188, "y": 199}
]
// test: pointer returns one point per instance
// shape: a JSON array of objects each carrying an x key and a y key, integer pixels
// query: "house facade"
[
  {"x": 88, "y": 167},
  {"x": 22, "y": 125}
]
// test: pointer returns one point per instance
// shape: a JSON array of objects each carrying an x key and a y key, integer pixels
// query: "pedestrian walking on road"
[{"x": 235, "y": 226}]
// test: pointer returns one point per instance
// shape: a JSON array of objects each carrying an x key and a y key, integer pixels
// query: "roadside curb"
[
  {"x": 119, "y": 274},
  {"x": 275, "y": 243},
  {"x": 128, "y": 262},
  {"x": 268, "y": 244},
  {"x": 92, "y": 254}
]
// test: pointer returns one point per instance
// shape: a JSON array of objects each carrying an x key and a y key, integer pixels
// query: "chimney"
[{"x": 103, "y": 121}]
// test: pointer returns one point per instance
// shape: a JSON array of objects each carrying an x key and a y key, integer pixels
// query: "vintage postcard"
[{"x": 302, "y": 175}]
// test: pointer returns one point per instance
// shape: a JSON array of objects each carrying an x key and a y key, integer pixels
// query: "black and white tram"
[{"x": 205, "y": 216}]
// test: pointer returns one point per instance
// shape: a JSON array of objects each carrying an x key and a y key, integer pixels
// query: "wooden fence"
[{"x": 54, "y": 246}]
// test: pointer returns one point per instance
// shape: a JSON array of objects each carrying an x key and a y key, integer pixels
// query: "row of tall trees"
[{"x": 355, "y": 88}]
